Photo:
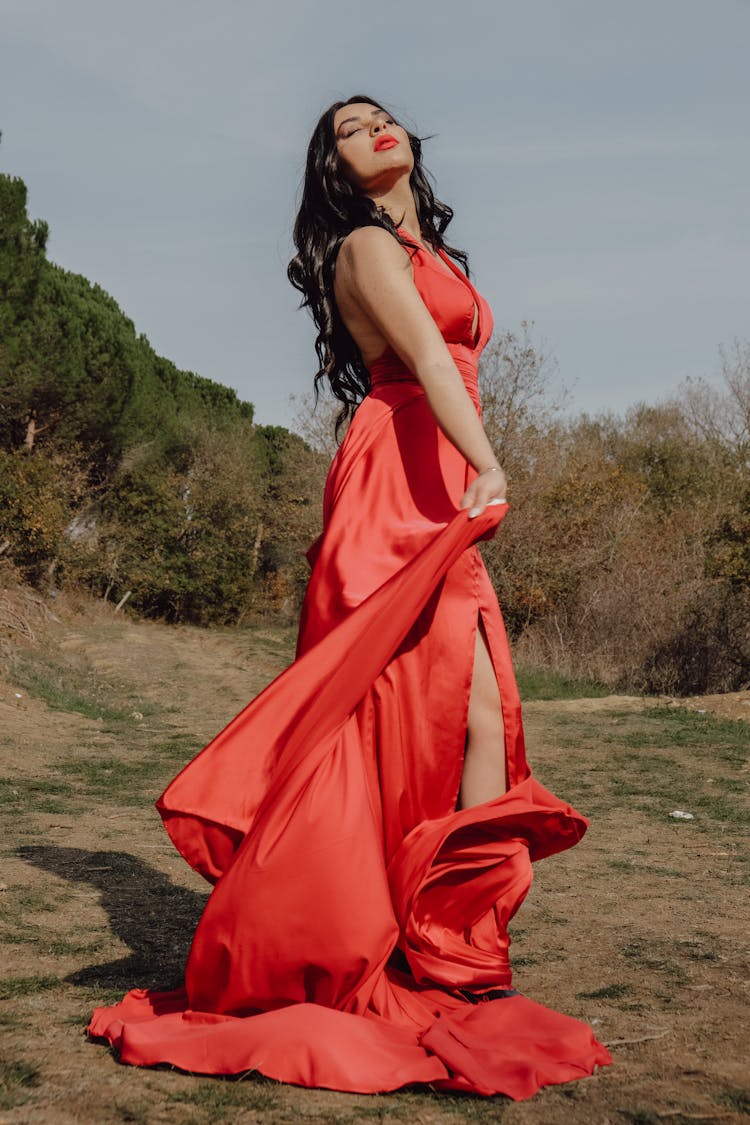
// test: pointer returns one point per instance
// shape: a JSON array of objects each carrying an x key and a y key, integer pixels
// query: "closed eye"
[{"x": 356, "y": 129}]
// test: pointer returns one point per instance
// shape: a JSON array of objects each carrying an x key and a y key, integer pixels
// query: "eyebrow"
[{"x": 347, "y": 120}]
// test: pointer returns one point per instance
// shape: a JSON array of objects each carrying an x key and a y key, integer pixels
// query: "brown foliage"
[
  {"x": 22, "y": 611},
  {"x": 626, "y": 555},
  {"x": 38, "y": 492}
]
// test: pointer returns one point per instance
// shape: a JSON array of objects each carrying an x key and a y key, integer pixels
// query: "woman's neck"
[{"x": 398, "y": 201}]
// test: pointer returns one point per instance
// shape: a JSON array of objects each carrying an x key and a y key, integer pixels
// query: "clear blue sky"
[{"x": 596, "y": 153}]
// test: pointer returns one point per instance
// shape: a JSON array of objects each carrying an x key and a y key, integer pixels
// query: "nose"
[{"x": 378, "y": 126}]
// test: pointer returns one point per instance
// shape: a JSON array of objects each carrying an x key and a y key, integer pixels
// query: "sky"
[{"x": 596, "y": 154}]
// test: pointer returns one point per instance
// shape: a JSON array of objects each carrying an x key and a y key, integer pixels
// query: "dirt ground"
[{"x": 641, "y": 930}]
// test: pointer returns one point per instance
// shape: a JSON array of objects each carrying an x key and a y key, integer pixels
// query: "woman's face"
[{"x": 373, "y": 150}]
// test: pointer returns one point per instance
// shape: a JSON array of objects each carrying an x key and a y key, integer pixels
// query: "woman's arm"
[{"x": 373, "y": 273}]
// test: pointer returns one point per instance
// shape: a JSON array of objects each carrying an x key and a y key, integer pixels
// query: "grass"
[
  {"x": 627, "y": 867},
  {"x": 13, "y": 987},
  {"x": 695, "y": 951},
  {"x": 658, "y": 759},
  {"x": 221, "y": 1099},
  {"x": 135, "y": 1113},
  {"x": 681, "y": 727},
  {"x": 276, "y": 641},
  {"x": 249, "y": 1092},
  {"x": 110, "y": 778},
  {"x": 140, "y": 775},
  {"x": 659, "y": 956},
  {"x": 101, "y": 997},
  {"x": 15, "y": 1079},
  {"x": 542, "y": 683},
  {"x": 61, "y": 947},
  {"x": 609, "y": 992},
  {"x": 738, "y": 1100},
  {"x": 22, "y": 795},
  {"x": 71, "y": 684}
]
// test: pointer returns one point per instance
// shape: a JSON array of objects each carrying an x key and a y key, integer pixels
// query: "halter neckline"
[{"x": 458, "y": 273}]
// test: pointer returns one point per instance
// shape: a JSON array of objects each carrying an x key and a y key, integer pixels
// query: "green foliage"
[
  {"x": 70, "y": 360},
  {"x": 122, "y": 473},
  {"x": 36, "y": 498},
  {"x": 180, "y": 521}
]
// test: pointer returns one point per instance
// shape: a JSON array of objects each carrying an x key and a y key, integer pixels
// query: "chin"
[{"x": 397, "y": 163}]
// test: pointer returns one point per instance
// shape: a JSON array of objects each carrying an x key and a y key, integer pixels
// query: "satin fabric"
[{"x": 352, "y": 902}]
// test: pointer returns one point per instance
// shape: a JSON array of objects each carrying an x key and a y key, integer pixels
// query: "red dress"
[{"x": 352, "y": 903}]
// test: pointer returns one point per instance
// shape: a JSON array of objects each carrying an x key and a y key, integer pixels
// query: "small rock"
[
  {"x": 678, "y": 814},
  {"x": 136, "y": 715}
]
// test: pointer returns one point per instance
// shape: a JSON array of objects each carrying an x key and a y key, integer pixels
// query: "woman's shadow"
[{"x": 151, "y": 915}]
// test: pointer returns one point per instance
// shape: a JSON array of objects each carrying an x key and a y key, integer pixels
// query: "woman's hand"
[{"x": 487, "y": 488}]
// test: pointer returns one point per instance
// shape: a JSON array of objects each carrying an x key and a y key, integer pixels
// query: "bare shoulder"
[{"x": 369, "y": 251}]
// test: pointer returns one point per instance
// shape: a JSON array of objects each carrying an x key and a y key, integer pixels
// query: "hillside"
[{"x": 125, "y": 476}]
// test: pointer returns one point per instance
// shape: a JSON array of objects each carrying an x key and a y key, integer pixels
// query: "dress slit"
[{"x": 481, "y": 629}]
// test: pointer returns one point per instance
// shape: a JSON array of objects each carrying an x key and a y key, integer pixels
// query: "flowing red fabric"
[{"x": 352, "y": 902}]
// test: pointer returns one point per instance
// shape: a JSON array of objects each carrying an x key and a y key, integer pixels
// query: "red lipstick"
[{"x": 384, "y": 141}]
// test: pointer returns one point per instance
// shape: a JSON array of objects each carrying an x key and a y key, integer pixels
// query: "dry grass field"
[{"x": 641, "y": 930}]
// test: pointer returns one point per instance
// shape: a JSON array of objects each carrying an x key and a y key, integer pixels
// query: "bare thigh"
[{"x": 484, "y": 771}]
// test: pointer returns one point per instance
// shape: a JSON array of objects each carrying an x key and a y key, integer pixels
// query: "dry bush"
[
  {"x": 720, "y": 412},
  {"x": 38, "y": 493},
  {"x": 708, "y": 650},
  {"x": 625, "y": 606},
  {"x": 520, "y": 391},
  {"x": 626, "y": 555},
  {"x": 316, "y": 422},
  {"x": 23, "y": 612}
]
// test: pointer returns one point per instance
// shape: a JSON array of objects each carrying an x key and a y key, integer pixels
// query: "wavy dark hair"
[{"x": 330, "y": 209}]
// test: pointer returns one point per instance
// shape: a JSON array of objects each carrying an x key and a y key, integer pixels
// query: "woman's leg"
[{"x": 484, "y": 771}]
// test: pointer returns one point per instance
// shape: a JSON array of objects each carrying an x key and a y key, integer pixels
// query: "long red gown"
[{"x": 351, "y": 901}]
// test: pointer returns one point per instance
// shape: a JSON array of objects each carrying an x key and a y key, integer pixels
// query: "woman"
[{"x": 370, "y": 820}]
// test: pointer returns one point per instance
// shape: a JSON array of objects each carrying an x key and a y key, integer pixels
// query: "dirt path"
[{"x": 641, "y": 929}]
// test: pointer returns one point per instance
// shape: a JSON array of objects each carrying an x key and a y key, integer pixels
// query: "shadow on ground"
[{"x": 152, "y": 916}]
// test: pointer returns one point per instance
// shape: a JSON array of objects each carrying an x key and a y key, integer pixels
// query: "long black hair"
[{"x": 331, "y": 208}]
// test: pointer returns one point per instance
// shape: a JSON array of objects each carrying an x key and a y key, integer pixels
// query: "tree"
[
  {"x": 316, "y": 422},
  {"x": 519, "y": 391},
  {"x": 720, "y": 413},
  {"x": 179, "y": 521},
  {"x": 292, "y": 514}
]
